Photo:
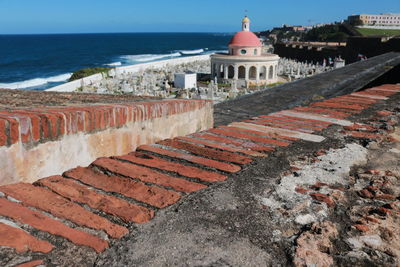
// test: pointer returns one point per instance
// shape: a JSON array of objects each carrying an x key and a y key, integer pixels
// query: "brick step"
[
  {"x": 331, "y": 113},
  {"x": 222, "y": 166},
  {"x": 162, "y": 164},
  {"x": 225, "y": 131},
  {"x": 278, "y": 124},
  {"x": 21, "y": 241},
  {"x": 44, "y": 223},
  {"x": 147, "y": 175},
  {"x": 222, "y": 146},
  {"x": 294, "y": 135},
  {"x": 244, "y": 128},
  {"x": 243, "y": 144},
  {"x": 151, "y": 195},
  {"x": 296, "y": 121},
  {"x": 206, "y": 152},
  {"x": 60, "y": 207},
  {"x": 112, "y": 205}
]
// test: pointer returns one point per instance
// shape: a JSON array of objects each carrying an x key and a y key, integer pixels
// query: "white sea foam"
[
  {"x": 148, "y": 57},
  {"x": 114, "y": 64},
  {"x": 191, "y": 52},
  {"x": 216, "y": 51},
  {"x": 36, "y": 82}
]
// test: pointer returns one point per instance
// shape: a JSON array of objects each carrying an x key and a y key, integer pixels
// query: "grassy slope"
[{"x": 368, "y": 32}]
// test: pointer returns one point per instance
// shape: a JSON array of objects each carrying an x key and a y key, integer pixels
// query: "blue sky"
[{"x": 83, "y": 16}]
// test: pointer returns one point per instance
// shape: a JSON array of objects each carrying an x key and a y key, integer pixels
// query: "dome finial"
[{"x": 246, "y": 24}]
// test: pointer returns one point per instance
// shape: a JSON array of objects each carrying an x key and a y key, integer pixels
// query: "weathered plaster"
[{"x": 18, "y": 163}]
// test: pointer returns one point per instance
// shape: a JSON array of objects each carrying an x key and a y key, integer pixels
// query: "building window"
[
  {"x": 243, "y": 51},
  {"x": 255, "y": 52}
]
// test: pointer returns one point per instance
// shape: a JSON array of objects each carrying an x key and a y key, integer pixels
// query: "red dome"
[{"x": 245, "y": 38}]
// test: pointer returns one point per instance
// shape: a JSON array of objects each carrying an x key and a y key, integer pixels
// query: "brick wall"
[{"x": 78, "y": 134}]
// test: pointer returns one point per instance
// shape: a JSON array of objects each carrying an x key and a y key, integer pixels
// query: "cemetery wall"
[{"x": 53, "y": 140}]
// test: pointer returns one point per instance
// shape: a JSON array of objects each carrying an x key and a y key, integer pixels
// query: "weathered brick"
[
  {"x": 147, "y": 175},
  {"x": 206, "y": 152},
  {"x": 279, "y": 125},
  {"x": 361, "y": 227},
  {"x": 20, "y": 126},
  {"x": 359, "y": 127},
  {"x": 380, "y": 92},
  {"x": 258, "y": 139},
  {"x": 293, "y": 124},
  {"x": 31, "y": 263},
  {"x": 223, "y": 147},
  {"x": 56, "y": 123},
  {"x": 109, "y": 204},
  {"x": 350, "y": 107},
  {"x": 372, "y": 93},
  {"x": 384, "y": 113},
  {"x": 60, "y": 207},
  {"x": 184, "y": 170},
  {"x": 364, "y": 135},
  {"x": 299, "y": 121},
  {"x": 323, "y": 198},
  {"x": 13, "y": 129},
  {"x": 233, "y": 141},
  {"x": 301, "y": 190},
  {"x": 349, "y": 102},
  {"x": 152, "y": 195},
  {"x": 385, "y": 196},
  {"x": 356, "y": 100},
  {"x": 21, "y": 241},
  {"x": 332, "y": 113},
  {"x": 33, "y": 124},
  {"x": 3, "y": 132},
  {"x": 365, "y": 193},
  {"x": 285, "y": 134},
  {"x": 367, "y": 96},
  {"x": 391, "y": 87},
  {"x": 41, "y": 222},
  {"x": 256, "y": 130},
  {"x": 198, "y": 160}
]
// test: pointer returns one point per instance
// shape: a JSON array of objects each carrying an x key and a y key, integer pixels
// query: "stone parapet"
[{"x": 52, "y": 140}]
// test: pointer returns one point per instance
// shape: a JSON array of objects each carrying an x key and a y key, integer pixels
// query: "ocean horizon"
[{"x": 42, "y": 61}]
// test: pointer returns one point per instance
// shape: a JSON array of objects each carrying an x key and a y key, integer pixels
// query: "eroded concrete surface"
[{"x": 344, "y": 212}]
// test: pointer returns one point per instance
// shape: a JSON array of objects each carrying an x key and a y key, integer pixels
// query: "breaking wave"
[
  {"x": 148, "y": 57},
  {"x": 36, "y": 82},
  {"x": 114, "y": 64},
  {"x": 192, "y": 52}
]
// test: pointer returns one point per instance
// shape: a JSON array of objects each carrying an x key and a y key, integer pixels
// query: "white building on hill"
[{"x": 376, "y": 20}]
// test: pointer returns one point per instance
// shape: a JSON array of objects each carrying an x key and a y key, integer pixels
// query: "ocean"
[{"x": 39, "y": 62}]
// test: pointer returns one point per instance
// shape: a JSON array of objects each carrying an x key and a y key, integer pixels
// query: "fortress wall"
[
  {"x": 37, "y": 143},
  {"x": 370, "y": 47},
  {"x": 307, "y": 52}
]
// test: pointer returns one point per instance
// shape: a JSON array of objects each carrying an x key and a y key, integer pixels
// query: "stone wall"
[
  {"x": 370, "y": 47},
  {"x": 53, "y": 140},
  {"x": 356, "y": 45},
  {"x": 308, "y": 52}
]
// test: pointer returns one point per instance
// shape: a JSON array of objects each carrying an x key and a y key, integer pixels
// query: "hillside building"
[{"x": 375, "y": 20}]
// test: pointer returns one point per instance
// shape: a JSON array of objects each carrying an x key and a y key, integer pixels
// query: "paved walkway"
[{"x": 97, "y": 205}]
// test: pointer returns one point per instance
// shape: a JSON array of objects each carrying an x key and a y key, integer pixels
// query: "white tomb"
[{"x": 185, "y": 80}]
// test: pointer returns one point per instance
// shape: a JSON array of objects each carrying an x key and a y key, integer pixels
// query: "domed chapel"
[{"x": 245, "y": 63}]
